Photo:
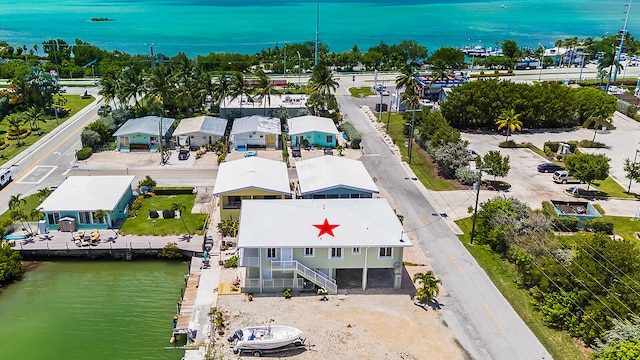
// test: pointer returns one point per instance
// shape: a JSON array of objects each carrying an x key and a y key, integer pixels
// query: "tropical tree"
[
  {"x": 132, "y": 83},
  {"x": 428, "y": 283},
  {"x": 101, "y": 216},
  {"x": 588, "y": 167},
  {"x": 498, "y": 164},
  {"x": 239, "y": 88},
  {"x": 16, "y": 201},
  {"x": 511, "y": 50},
  {"x": 14, "y": 121},
  {"x": 264, "y": 90},
  {"x": 43, "y": 193},
  {"x": 35, "y": 115},
  {"x": 19, "y": 215},
  {"x": 408, "y": 77},
  {"x": 509, "y": 119},
  {"x": 181, "y": 208},
  {"x": 322, "y": 80},
  {"x": 633, "y": 172},
  {"x": 222, "y": 90},
  {"x": 599, "y": 117},
  {"x": 160, "y": 86},
  {"x": 36, "y": 214}
]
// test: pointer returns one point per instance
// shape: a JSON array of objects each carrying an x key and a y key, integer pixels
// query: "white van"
[
  {"x": 563, "y": 176},
  {"x": 5, "y": 177}
]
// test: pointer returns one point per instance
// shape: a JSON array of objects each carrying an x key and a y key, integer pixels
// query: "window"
[
  {"x": 355, "y": 196},
  {"x": 332, "y": 196},
  {"x": 271, "y": 253},
  {"x": 53, "y": 218},
  {"x": 96, "y": 220},
  {"x": 320, "y": 196},
  {"x": 85, "y": 217},
  {"x": 233, "y": 202},
  {"x": 329, "y": 139},
  {"x": 385, "y": 252},
  {"x": 308, "y": 252},
  {"x": 336, "y": 253},
  {"x": 355, "y": 251}
]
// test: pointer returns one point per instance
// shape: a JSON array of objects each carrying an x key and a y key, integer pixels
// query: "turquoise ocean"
[{"x": 246, "y": 26}]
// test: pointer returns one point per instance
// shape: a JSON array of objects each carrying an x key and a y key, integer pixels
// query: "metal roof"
[
  {"x": 252, "y": 173},
  {"x": 329, "y": 172},
  {"x": 201, "y": 125},
  {"x": 292, "y": 223},
  {"x": 256, "y": 123},
  {"x": 88, "y": 193},
  {"x": 149, "y": 125},
  {"x": 310, "y": 123}
]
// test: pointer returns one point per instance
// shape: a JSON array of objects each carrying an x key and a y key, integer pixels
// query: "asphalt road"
[{"x": 480, "y": 317}]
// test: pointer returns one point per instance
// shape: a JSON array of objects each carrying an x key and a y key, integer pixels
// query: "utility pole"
[
  {"x": 475, "y": 211},
  {"x": 317, "y": 25},
  {"x": 413, "y": 121},
  {"x": 623, "y": 33}
]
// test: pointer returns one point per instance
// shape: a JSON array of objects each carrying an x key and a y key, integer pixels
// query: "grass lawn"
[
  {"x": 142, "y": 225},
  {"x": 32, "y": 202},
  {"x": 612, "y": 189},
  {"x": 425, "y": 171},
  {"x": 625, "y": 227},
  {"x": 560, "y": 344},
  {"x": 76, "y": 102},
  {"x": 361, "y": 91}
]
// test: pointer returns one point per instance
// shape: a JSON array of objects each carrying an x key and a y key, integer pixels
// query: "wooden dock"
[{"x": 190, "y": 294}]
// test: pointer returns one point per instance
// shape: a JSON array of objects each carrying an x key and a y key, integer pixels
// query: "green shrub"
[
  {"x": 84, "y": 153},
  {"x": 591, "y": 144},
  {"x": 352, "y": 135},
  {"x": 136, "y": 205},
  {"x": 548, "y": 209},
  {"x": 170, "y": 251},
  {"x": 466, "y": 176},
  {"x": 599, "y": 226},
  {"x": 565, "y": 223},
  {"x": 508, "y": 144},
  {"x": 232, "y": 262},
  {"x": 287, "y": 293}
]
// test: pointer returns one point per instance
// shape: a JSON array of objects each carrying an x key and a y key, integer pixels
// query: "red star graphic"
[{"x": 326, "y": 228}]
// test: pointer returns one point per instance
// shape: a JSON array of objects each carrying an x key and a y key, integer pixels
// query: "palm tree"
[
  {"x": 407, "y": 78},
  {"x": 222, "y": 89},
  {"x": 428, "y": 286},
  {"x": 15, "y": 120},
  {"x": 101, "y": 216},
  {"x": 509, "y": 119},
  {"x": 16, "y": 201},
  {"x": 412, "y": 99},
  {"x": 160, "y": 85},
  {"x": 599, "y": 118},
  {"x": 322, "y": 80},
  {"x": 36, "y": 115},
  {"x": 109, "y": 89},
  {"x": 264, "y": 90},
  {"x": 132, "y": 83},
  {"x": 181, "y": 209},
  {"x": 19, "y": 215},
  {"x": 44, "y": 193},
  {"x": 36, "y": 214},
  {"x": 239, "y": 88}
]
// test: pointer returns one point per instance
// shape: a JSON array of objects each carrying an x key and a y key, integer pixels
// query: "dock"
[{"x": 190, "y": 294}]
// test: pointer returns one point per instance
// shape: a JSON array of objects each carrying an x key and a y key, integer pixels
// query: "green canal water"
[{"x": 92, "y": 310}]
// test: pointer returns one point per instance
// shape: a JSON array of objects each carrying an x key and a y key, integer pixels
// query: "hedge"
[
  {"x": 352, "y": 135},
  {"x": 84, "y": 153},
  {"x": 174, "y": 190}
]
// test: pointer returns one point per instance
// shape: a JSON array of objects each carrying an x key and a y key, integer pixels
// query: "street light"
[
  {"x": 634, "y": 168},
  {"x": 475, "y": 211},
  {"x": 544, "y": 48},
  {"x": 623, "y": 32},
  {"x": 299, "y": 67}
]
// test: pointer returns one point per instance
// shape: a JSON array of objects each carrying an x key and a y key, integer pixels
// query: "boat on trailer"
[{"x": 265, "y": 337}]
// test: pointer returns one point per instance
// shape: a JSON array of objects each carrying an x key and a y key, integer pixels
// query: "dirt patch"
[{"x": 347, "y": 326}]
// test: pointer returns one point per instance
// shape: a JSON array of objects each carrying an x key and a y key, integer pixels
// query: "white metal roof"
[
  {"x": 252, "y": 173},
  {"x": 201, "y": 125},
  {"x": 291, "y": 223},
  {"x": 256, "y": 123},
  {"x": 88, "y": 193},
  {"x": 149, "y": 125},
  {"x": 310, "y": 123},
  {"x": 329, "y": 172}
]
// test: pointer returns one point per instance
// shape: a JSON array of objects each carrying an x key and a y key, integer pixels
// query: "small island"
[{"x": 100, "y": 19}]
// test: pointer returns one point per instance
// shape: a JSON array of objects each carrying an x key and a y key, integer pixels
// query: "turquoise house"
[
  {"x": 143, "y": 134},
  {"x": 73, "y": 205},
  {"x": 334, "y": 177},
  {"x": 313, "y": 131}
]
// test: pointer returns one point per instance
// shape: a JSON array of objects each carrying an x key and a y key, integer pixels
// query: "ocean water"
[{"x": 246, "y": 26}]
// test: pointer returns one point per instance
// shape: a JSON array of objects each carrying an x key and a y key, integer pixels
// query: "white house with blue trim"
[
  {"x": 313, "y": 131},
  {"x": 333, "y": 177},
  {"x": 143, "y": 134}
]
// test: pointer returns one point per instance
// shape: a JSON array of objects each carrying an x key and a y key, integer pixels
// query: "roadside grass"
[
  {"x": 627, "y": 227},
  {"x": 142, "y": 225},
  {"x": 559, "y": 343},
  {"x": 76, "y": 102},
  {"x": 424, "y": 170},
  {"x": 32, "y": 202},
  {"x": 361, "y": 91},
  {"x": 612, "y": 189}
]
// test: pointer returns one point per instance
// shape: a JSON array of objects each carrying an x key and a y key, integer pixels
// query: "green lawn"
[
  {"x": 76, "y": 102},
  {"x": 31, "y": 202},
  {"x": 559, "y": 344},
  {"x": 142, "y": 225},
  {"x": 424, "y": 170},
  {"x": 625, "y": 227},
  {"x": 361, "y": 91},
  {"x": 612, "y": 189}
]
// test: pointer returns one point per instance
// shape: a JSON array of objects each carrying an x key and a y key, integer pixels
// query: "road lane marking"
[
  {"x": 495, "y": 323},
  {"x": 424, "y": 220},
  {"x": 453, "y": 261},
  {"x": 403, "y": 192},
  {"x": 37, "y": 174}
]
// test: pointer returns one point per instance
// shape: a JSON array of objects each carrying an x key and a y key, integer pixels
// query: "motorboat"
[{"x": 264, "y": 337}]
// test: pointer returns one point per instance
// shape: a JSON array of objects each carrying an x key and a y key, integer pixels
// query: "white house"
[
  {"x": 199, "y": 131},
  {"x": 256, "y": 131},
  {"x": 143, "y": 134},
  {"x": 287, "y": 243},
  {"x": 333, "y": 177}
]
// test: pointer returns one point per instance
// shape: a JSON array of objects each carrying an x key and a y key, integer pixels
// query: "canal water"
[{"x": 78, "y": 310}]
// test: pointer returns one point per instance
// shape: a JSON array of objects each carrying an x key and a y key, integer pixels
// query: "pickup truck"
[{"x": 563, "y": 176}]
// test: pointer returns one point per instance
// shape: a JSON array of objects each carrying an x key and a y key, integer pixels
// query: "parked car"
[
  {"x": 250, "y": 153},
  {"x": 473, "y": 153},
  {"x": 549, "y": 167},
  {"x": 183, "y": 154},
  {"x": 104, "y": 109},
  {"x": 208, "y": 243},
  {"x": 564, "y": 177}
]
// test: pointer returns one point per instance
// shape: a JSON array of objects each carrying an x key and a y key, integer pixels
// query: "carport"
[{"x": 376, "y": 278}]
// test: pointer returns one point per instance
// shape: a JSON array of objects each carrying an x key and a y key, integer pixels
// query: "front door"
[
  {"x": 286, "y": 254},
  {"x": 271, "y": 140}
]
